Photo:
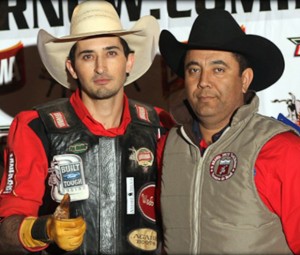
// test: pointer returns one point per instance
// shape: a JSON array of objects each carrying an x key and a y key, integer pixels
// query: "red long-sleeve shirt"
[{"x": 26, "y": 164}]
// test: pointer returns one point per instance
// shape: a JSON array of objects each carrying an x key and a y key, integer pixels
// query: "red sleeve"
[
  {"x": 165, "y": 118},
  {"x": 277, "y": 179},
  {"x": 25, "y": 169}
]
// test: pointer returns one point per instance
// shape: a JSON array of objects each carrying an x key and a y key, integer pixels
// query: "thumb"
[{"x": 62, "y": 211}]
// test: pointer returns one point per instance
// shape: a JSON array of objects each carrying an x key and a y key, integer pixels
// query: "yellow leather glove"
[
  {"x": 35, "y": 233},
  {"x": 26, "y": 238},
  {"x": 66, "y": 233}
]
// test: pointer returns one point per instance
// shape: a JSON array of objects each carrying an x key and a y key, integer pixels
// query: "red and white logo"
[
  {"x": 142, "y": 113},
  {"x": 146, "y": 202},
  {"x": 223, "y": 166},
  {"x": 59, "y": 119}
]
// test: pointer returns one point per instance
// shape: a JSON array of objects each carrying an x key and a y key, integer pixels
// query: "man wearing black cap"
[{"x": 230, "y": 176}]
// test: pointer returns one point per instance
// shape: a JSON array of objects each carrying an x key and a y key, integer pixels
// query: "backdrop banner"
[{"x": 278, "y": 21}]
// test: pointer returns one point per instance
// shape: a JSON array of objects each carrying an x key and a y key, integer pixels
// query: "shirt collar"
[
  {"x": 202, "y": 144},
  {"x": 93, "y": 125}
]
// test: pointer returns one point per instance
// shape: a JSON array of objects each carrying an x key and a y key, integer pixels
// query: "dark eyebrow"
[
  {"x": 191, "y": 63},
  {"x": 105, "y": 48},
  {"x": 219, "y": 62},
  {"x": 112, "y": 47},
  {"x": 213, "y": 62},
  {"x": 85, "y": 51}
]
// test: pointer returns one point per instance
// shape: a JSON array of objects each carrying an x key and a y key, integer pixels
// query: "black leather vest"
[{"x": 120, "y": 174}]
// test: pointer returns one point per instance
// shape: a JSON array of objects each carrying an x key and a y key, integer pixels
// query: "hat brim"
[
  {"x": 264, "y": 57},
  {"x": 142, "y": 38}
]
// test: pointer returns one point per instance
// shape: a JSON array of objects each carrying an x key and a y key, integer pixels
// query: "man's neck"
[{"x": 108, "y": 112}]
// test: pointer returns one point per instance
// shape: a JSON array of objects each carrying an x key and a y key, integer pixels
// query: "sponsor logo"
[
  {"x": 130, "y": 195},
  {"x": 78, "y": 148},
  {"x": 142, "y": 113},
  {"x": 10, "y": 177},
  {"x": 143, "y": 156},
  {"x": 59, "y": 119},
  {"x": 143, "y": 238},
  {"x": 223, "y": 166},
  {"x": 67, "y": 176},
  {"x": 146, "y": 202}
]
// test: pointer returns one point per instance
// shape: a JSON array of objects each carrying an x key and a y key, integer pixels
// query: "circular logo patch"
[
  {"x": 223, "y": 166},
  {"x": 144, "y": 157},
  {"x": 143, "y": 239},
  {"x": 146, "y": 202}
]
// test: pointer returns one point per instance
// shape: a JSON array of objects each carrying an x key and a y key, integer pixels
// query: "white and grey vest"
[{"x": 210, "y": 203}]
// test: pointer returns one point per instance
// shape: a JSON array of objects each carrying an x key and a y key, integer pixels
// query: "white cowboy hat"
[{"x": 91, "y": 18}]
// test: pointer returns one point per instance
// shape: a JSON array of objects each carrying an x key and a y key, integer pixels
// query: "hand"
[
  {"x": 35, "y": 233},
  {"x": 66, "y": 233}
]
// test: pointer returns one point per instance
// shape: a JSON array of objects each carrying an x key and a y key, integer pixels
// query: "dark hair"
[
  {"x": 126, "y": 48},
  {"x": 124, "y": 44},
  {"x": 242, "y": 60}
]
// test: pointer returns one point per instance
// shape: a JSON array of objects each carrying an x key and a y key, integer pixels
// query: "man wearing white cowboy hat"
[
  {"x": 94, "y": 153},
  {"x": 230, "y": 176}
]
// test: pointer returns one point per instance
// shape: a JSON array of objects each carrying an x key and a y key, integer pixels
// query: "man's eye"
[
  {"x": 87, "y": 57},
  {"x": 219, "y": 70},
  {"x": 193, "y": 70},
  {"x": 112, "y": 53}
]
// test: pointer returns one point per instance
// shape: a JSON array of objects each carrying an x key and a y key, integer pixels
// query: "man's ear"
[
  {"x": 130, "y": 62},
  {"x": 71, "y": 69},
  {"x": 247, "y": 77}
]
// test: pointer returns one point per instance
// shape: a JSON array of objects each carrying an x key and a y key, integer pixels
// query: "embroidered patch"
[
  {"x": 142, "y": 113},
  {"x": 143, "y": 156},
  {"x": 223, "y": 166},
  {"x": 59, "y": 119},
  {"x": 130, "y": 196},
  {"x": 146, "y": 202},
  {"x": 67, "y": 176},
  {"x": 10, "y": 183},
  {"x": 143, "y": 238},
  {"x": 78, "y": 148}
]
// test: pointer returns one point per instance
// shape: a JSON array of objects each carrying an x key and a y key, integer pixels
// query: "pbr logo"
[{"x": 223, "y": 166}]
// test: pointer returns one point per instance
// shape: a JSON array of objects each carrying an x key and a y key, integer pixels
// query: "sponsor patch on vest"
[
  {"x": 223, "y": 166},
  {"x": 78, "y": 148},
  {"x": 142, "y": 113},
  {"x": 143, "y": 156},
  {"x": 59, "y": 119},
  {"x": 130, "y": 196},
  {"x": 146, "y": 202},
  {"x": 67, "y": 176},
  {"x": 10, "y": 181},
  {"x": 143, "y": 238}
]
